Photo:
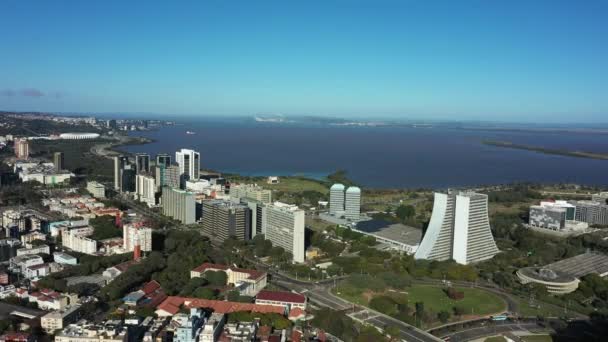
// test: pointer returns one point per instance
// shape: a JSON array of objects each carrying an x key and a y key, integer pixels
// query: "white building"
[
  {"x": 42, "y": 249},
  {"x": 459, "y": 229},
  {"x": 251, "y": 191},
  {"x": 284, "y": 227},
  {"x": 189, "y": 162},
  {"x": 336, "y": 200},
  {"x": 132, "y": 232},
  {"x": 352, "y": 204},
  {"x": 77, "y": 240},
  {"x": 63, "y": 258},
  {"x": 96, "y": 189},
  {"x": 145, "y": 189}
]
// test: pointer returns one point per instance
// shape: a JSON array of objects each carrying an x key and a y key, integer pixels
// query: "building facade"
[
  {"x": 284, "y": 227},
  {"x": 592, "y": 212},
  {"x": 336, "y": 200},
  {"x": 459, "y": 229},
  {"x": 189, "y": 162},
  {"x": 142, "y": 163},
  {"x": 179, "y": 204},
  {"x": 133, "y": 232},
  {"x": 224, "y": 219},
  {"x": 352, "y": 203},
  {"x": 22, "y": 148},
  {"x": 251, "y": 192},
  {"x": 163, "y": 159},
  {"x": 145, "y": 189},
  {"x": 96, "y": 189},
  {"x": 58, "y": 161},
  {"x": 119, "y": 164}
]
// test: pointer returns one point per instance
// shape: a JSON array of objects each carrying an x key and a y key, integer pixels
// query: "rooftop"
[
  {"x": 548, "y": 275},
  {"x": 172, "y": 305},
  {"x": 281, "y": 296},
  {"x": 582, "y": 265},
  {"x": 253, "y": 274},
  {"x": 392, "y": 231}
]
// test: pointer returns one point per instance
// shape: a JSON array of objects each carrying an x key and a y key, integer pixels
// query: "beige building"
[
  {"x": 96, "y": 189},
  {"x": 59, "y": 319},
  {"x": 251, "y": 191},
  {"x": 256, "y": 280}
]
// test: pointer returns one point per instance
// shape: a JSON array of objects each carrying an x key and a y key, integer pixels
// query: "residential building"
[
  {"x": 60, "y": 319},
  {"x": 145, "y": 189},
  {"x": 189, "y": 327},
  {"x": 22, "y": 148},
  {"x": 96, "y": 189},
  {"x": 289, "y": 300},
  {"x": 592, "y": 212},
  {"x": 254, "y": 280},
  {"x": 131, "y": 232},
  {"x": 22, "y": 262},
  {"x": 34, "y": 250},
  {"x": 119, "y": 164},
  {"x": 224, "y": 219},
  {"x": 213, "y": 327},
  {"x": 163, "y": 159},
  {"x": 127, "y": 178},
  {"x": 168, "y": 176},
  {"x": 64, "y": 258},
  {"x": 189, "y": 162},
  {"x": 142, "y": 163},
  {"x": 111, "y": 331},
  {"x": 284, "y": 227},
  {"x": 336, "y": 199},
  {"x": 352, "y": 203},
  {"x": 257, "y": 215},
  {"x": 251, "y": 192},
  {"x": 58, "y": 161},
  {"x": 459, "y": 229},
  {"x": 179, "y": 204},
  {"x": 77, "y": 240}
]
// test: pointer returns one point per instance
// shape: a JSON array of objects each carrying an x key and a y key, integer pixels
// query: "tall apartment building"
[
  {"x": 352, "y": 203},
  {"x": 336, "y": 200},
  {"x": 257, "y": 215},
  {"x": 251, "y": 191},
  {"x": 168, "y": 176},
  {"x": 96, "y": 189},
  {"x": 132, "y": 232},
  {"x": 224, "y": 219},
  {"x": 142, "y": 163},
  {"x": 127, "y": 178},
  {"x": 119, "y": 164},
  {"x": 189, "y": 162},
  {"x": 163, "y": 159},
  {"x": 145, "y": 189},
  {"x": 76, "y": 239},
  {"x": 22, "y": 148},
  {"x": 284, "y": 226},
  {"x": 179, "y": 204},
  {"x": 58, "y": 161},
  {"x": 459, "y": 229},
  {"x": 594, "y": 213}
]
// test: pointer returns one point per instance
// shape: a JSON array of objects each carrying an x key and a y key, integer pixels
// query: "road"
[{"x": 490, "y": 330}]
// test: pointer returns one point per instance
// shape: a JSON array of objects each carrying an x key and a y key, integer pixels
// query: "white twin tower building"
[
  {"x": 459, "y": 229},
  {"x": 345, "y": 204}
]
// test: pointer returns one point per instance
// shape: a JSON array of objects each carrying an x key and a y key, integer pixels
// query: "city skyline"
[{"x": 518, "y": 62}]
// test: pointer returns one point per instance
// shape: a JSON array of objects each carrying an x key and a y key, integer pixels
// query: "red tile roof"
[
  {"x": 296, "y": 336},
  {"x": 281, "y": 296},
  {"x": 296, "y": 313},
  {"x": 150, "y": 287},
  {"x": 172, "y": 304},
  {"x": 253, "y": 274},
  {"x": 122, "y": 267}
]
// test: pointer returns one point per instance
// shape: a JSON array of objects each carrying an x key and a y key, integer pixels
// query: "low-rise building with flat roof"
[
  {"x": 398, "y": 236},
  {"x": 556, "y": 282}
]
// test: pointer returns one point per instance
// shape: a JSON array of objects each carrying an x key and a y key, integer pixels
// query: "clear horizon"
[{"x": 439, "y": 61}]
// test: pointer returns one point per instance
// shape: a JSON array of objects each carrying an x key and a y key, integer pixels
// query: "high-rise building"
[
  {"x": 163, "y": 159},
  {"x": 168, "y": 176},
  {"x": 127, "y": 178},
  {"x": 189, "y": 162},
  {"x": 179, "y": 204},
  {"x": 22, "y": 148},
  {"x": 352, "y": 203},
  {"x": 77, "y": 240},
  {"x": 336, "y": 200},
  {"x": 119, "y": 164},
  {"x": 58, "y": 161},
  {"x": 96, "y": 189},
  {"x": 594, "y": 213},
  {"x": 251, "y": 191},
  {"x": 459, "y": 229},
  {"x": 142, "y": 163},
  {"x": 131, "y": 232},
  {"x": 224, "y": 219},
  {"x": 284, "y": 227},
  {"x": 145, "y": 189},
  {"x": 257, "y": 215}
]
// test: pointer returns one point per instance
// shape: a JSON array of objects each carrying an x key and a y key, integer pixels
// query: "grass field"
[
  {"x": 537, "y": 338},
  {"x": 495, "y": 339},
  {"x": 475, "y": 302},
  {"x": 543, "y": 310}
]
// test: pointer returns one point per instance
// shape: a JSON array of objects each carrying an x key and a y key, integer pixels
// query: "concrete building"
[
  {"x": 168, "y": 176},
  {"x": 163, "y": 159},
  {"x": 336, "y": 200},
  {"x": 284, "y": 227},
  {"x": 592, "y": 212},
  {"x": 58, "y": 161},
  {"x": 142, "y": 163},
  {"x": 131, "y": 232},
  {"x": 251, "y": 192},
  {"x": 78, "y": 241},
  {"x": 145, "y": 189},
  {"x": 189, "y": 162},
  {"x": 179, "y": 204},
  {"x": 22, "y": 148},
  {"x": 64, "y": 258},
  {"x": 548, "y": 217},
  {"x": 459, "y": 229},
  {"x": 601, "y": 197},
  {"x": 257, "y": 215},
  {"x": 87, "y": 332},
  {"x": 127, "y": 178},
  {"x": 60, "y": 319},
  {"x": 119, "y": 164},
  {"x": 189, "y": 327},
  {"x": 556, "y": 282},
  {"x": 394, "y": 235},
  {"x": 213, "y": 327},
  {"x": 254, "y": 280},
  {"x": 96, "y": 189},
  {"x": 289, "y": 300},
  {"x": 352, "y": 203},
  {"x": 224, "y": 219}
]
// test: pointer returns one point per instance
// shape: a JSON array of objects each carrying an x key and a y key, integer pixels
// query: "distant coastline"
[{"x": 577, "y": 154}]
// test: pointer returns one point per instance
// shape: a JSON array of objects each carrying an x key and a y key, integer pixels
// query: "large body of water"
[{"x": 387, "y": 157}]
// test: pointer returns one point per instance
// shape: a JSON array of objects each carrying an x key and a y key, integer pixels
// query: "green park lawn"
[
  {"x": 540, "y": 310},
  {"x": 495, "y": 339},
  {"x": 537, "y": 338}
]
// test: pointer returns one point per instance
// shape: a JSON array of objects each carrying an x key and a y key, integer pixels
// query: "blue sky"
[{"x": 491, "y": 60}]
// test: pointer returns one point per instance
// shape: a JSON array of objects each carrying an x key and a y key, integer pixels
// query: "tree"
[
  {"x": 459, "y": 310},
  {"x": 204, "y": 293},
  {"x": 393, "y": 332},
  {"x": 419, "y": 312},
  {"x": 383, "y": 304},
  {"x": 216, "y": 278},
  {"x": 405, "y": 212},
  {"x": 233, "y": 296},
  {"x": 443, "y": 316}
]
